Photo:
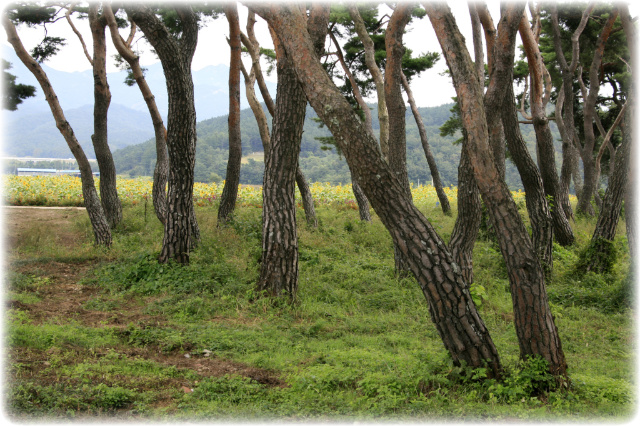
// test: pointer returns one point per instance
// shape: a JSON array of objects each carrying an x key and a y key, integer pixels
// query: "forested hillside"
[{"x": 319, "y": 163}]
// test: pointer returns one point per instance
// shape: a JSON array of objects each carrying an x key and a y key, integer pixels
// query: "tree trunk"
[
  {"x": 161, "y": 171},
  {"x": 99, "y": 223},
  {"x": 230, "y": 190},
  {"x": 307, "y": 198},
  {"x": 546, "y": 151},
  {"x": 361, "y": 199},
  {"x": 537, "y": 206},
  {"x": 433, "y": 168},
  {"x": 535, "y": 328},
  {"x": 467, "y": 226},
  {"x": 102, "y": 96},
  {"x": 452, "y": 310},
  {"x": 175, "y": 56}
]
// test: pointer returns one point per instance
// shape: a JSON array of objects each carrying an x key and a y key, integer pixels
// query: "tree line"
[{"x": 332, "y": 56}]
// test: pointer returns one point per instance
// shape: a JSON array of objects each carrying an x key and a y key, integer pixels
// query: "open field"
[{"x": 103, "y": 334}]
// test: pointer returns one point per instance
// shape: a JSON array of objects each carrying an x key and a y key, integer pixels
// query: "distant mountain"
[{"x": 75, "y": 93}]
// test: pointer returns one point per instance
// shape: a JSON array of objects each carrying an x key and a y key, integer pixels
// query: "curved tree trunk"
[
  {"x": 99, "y": 223},
  {"x": 451, "y": 307},
  {"x": 307, "y": 199},
  {"x": 161, "y": 170},
  {"x": 535, "y": 327},
  {"x": 433, "y": 168},
  {"x": 175, "y": 56},
  {"x": 361, "y": 199},
  {"x": 230, "y": 190},
  {"x": 108, "y": 191},
  {"x": 546, "y": 151}
]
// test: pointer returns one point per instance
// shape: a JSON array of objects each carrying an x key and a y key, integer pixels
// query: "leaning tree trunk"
[
  {"x": 230, "y": 190},
  {"x": 361, "y": 199},
  {"x": 452, "y": 310},
  {"x": 99, "y": 223},
  {"x": 175, "y": 56},
  {"x": 535, "y": 327},
  {"x": 161, "y": 170},
  {"x": 307, "y": 199},
  {"x": 433, "y": 168},
  {"x": 544, "y": 139},
  {"x": 102, "y": 96}
]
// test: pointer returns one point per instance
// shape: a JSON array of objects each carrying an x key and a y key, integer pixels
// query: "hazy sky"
[{"x": 430, "y": 89}]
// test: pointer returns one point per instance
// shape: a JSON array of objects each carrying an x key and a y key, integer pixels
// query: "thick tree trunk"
[
  {"x": 544, "y": 139},
  {"x": 433, "y": 168},
  {"x": 161, "y": 171},
  {"x": 102, "y": 98},
  {"x": 99, "y": 223},
  {"x": 467, "y": 226},
  {"x": 535, "y": 328},
  {"x": 230, "y": 190},
  {"x": 175, "y": 56},
  {"x": 452, "y": 310}
]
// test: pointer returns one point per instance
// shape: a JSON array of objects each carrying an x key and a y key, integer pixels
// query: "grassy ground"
[{"x": 93, "y": 332}]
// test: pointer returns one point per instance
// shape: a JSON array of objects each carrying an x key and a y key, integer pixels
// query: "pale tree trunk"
[
  {"x": 175, "y": 56},
  {"x": 230, "y": 190},
  {"x": 561, "y": 209},
  {"x": 535, "y": 328},
  {"x": 452, "y": 310},
  {"x": 161, "y": 170},
  {"x": 102, "y": 96},
  {"x": 279, "y": 264},
  {"x": 98, "y": 220},
  {"x": 369, "y": 55},
  {"x": 433, "y": 168},
  {"x": 251, "y": 43}
]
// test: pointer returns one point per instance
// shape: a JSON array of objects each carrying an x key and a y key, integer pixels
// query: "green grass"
[{"x": 358, "y": 344}]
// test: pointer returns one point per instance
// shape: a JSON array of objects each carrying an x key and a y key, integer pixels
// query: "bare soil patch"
[{"x": 65, "y": 297}]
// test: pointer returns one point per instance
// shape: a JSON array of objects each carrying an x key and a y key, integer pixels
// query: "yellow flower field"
[{"x": 67, "y": 191}]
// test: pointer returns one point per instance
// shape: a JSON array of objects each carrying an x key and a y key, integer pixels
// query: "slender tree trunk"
[
  {"x": 161, "y": 170},
  {"x": 535, "y": 328},
  {"x": 307, "y": 199},
  {"x": 175, "y": 56},
  {"x": 230, "y": 190},
  {"x": 361, "y": 199},
  {"x": 108, "y": 191},
  {"x": 452, "y": 310},
  {"x": 99, "y": 223},
  {"x": 537, "y": 206},
  {"x": 467, "y": 226},
  {"x": 433, "y": 168}
]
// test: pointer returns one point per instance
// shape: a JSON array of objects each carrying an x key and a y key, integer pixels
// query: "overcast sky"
[{"x": 430, "y": 88}]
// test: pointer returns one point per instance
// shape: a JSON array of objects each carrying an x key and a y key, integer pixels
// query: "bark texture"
[
  {"x": 161, "y": 170},
  {"x": 101, "y": 230},
  {"x": 176, "y": 55},
  {"x": 452, "y": 310},
  {"x": 230, "y": 190},
  {"x": 535, "y": 328}
]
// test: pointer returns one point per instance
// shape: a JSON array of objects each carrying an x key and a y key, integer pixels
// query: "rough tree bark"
[
  {"x": 161, "y": 170},
  {"x": 561, "y": 209},
  {"x": 176, "y": 55},
  {"x": 230, "y": 190},
  {"x": 451, "y": 307},
  {"x": 535, "y": 328},
  {"x": 102, "y": 98},
  {"x": 433, "y": 167},
  {"x": 251, "y": 43},
  {"x": 279, "y": 264},
  {"x": 101, "y": 230}
]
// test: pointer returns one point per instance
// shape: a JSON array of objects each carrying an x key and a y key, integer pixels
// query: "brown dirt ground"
[{"x": 64, "y": 297}]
